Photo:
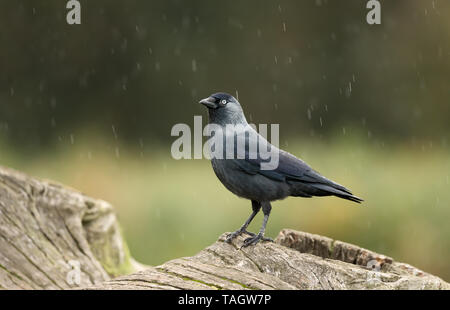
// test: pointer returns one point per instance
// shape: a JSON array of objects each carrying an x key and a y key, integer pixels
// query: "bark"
[{"x": 48, "y": 231}]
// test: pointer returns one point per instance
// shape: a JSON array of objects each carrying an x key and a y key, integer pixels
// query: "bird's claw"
[
  {"x": 255, "y": 239},
  {"x": 237, "y": 233}
]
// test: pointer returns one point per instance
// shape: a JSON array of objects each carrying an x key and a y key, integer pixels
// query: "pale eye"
[{"x": 223, "y": 102}]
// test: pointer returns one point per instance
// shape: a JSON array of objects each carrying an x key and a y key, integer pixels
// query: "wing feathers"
[{"x": 304, "y": 181}]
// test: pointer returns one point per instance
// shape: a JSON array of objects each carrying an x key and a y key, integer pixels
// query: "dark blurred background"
[{"x": 92, "y": 106}]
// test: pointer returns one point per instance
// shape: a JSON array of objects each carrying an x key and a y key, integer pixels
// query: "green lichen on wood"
[{"x": 114, "y": 267}]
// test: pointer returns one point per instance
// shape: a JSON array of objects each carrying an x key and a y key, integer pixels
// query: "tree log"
[
  {"x": 50, "y": 234},
  {"x": 48, "y": 230}
]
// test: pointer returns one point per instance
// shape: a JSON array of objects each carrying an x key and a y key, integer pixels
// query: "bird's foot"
[
  {"x": 237, "y": 233},
  {"x": 255, "y": 239}
]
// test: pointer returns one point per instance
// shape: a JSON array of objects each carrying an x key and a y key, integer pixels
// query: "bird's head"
[{"x": 223, "y": 109}]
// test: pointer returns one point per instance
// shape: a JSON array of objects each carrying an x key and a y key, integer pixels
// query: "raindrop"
[
  {"x": 194, "y": 65},
  {"x": 308, "y": 112},
  {"x": 348, "y": 90},
  {"x": 114, "y": 132},
  {"x": 72, "y": 139},
  {"x": 117, "y": 152},
  {"x": 41, "y": 86},
  {"x": 284, "y": 27},
  {"x": 4, "y": 126},
  {"x": 185, "y": 22},
  {"x": 124, "y": 45}
]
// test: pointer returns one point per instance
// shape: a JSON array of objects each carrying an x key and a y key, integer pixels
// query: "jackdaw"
[{"x": 245, "y": 175}]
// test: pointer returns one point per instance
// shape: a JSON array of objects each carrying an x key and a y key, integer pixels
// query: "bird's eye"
[{"x": 223, "y": 102}]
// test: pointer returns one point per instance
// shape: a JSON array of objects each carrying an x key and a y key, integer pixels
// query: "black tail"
[
  {"x": 334, "y": 189},
  {"x": 312, "y": 183}
]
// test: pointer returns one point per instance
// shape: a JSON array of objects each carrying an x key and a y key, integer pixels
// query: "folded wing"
[{"x": 303, "y": 180}]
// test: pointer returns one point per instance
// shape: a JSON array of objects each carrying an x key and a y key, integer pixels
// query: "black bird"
[{"x": 245, "y": 176}]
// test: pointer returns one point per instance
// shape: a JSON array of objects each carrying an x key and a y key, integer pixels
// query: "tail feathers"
[
  {"x": 351, "y": 198},
  {"x": 341, "y": 192}
]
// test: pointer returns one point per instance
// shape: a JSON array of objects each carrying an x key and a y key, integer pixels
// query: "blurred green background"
[{"x": 92, "y": 106}]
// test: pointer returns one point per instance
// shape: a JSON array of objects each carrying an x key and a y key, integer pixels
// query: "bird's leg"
[
  {"x": 256, "y": 206},
  {"x": 266, "y": 207}
]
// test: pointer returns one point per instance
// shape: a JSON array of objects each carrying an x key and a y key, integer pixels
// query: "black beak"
[{"x": 209, "y": 102}]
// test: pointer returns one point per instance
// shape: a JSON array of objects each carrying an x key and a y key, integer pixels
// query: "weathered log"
[
  {"x": 296, "y": 260},
  {"x": 47, "y": 230}
]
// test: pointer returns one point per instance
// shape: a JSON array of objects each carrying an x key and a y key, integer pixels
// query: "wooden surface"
[{"x": 49, "y": 233}]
